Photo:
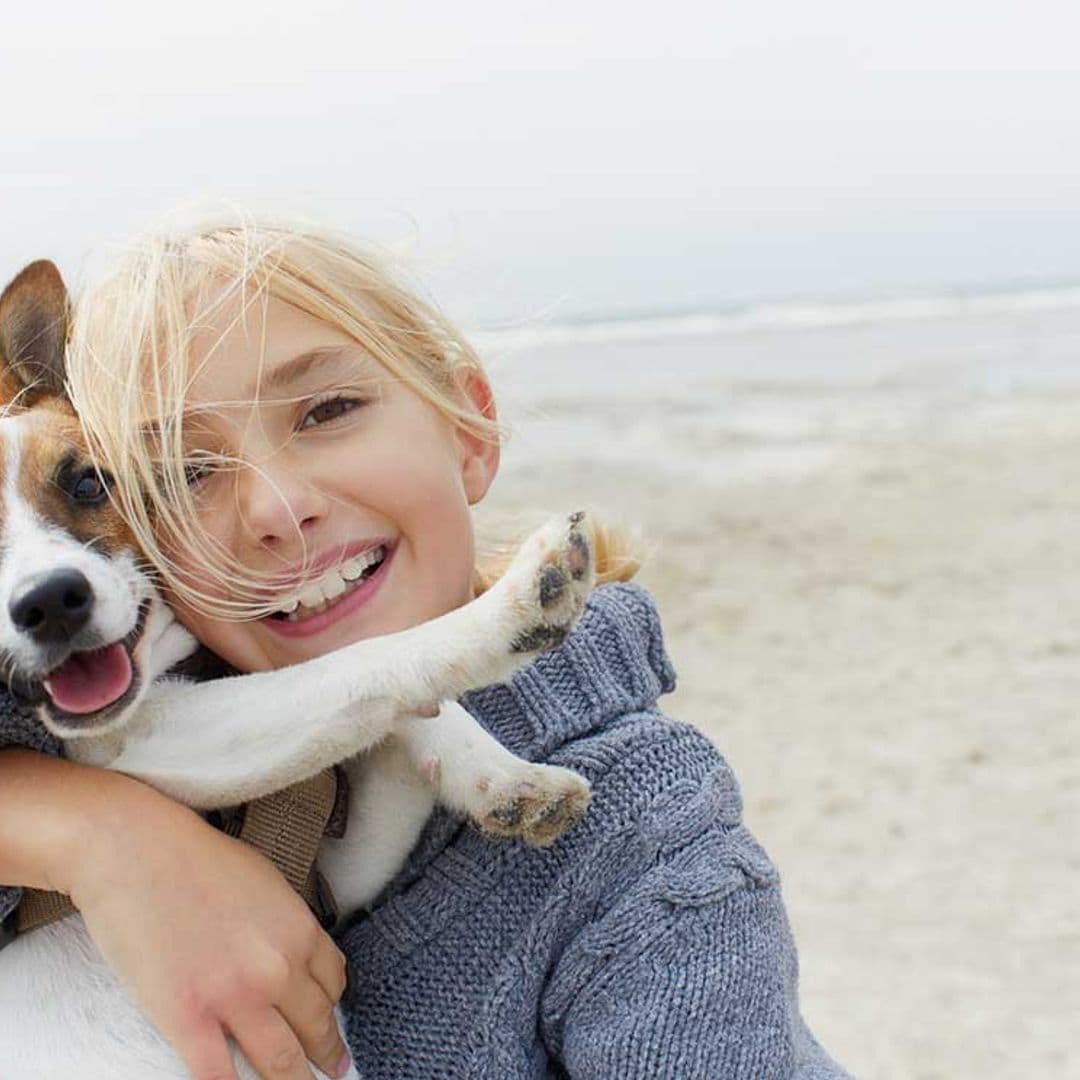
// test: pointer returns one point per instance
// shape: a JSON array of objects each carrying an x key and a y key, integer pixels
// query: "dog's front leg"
[
  {"x": 503, "y": 795},
  {"x": 448, "y": 759},
  {"x": 226, "y": 742},
  {"x": 231, "y": 740}
]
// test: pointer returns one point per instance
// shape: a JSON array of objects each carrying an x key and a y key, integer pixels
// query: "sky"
[{"x": 566, "y": 159}]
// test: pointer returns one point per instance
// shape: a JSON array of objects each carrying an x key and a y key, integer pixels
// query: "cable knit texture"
[{"x": 649, "y": 942}]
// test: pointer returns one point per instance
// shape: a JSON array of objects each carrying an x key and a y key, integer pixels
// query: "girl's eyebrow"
[
  {"x": 281, "y": 377},
  {"x": 299, "y": 366}
]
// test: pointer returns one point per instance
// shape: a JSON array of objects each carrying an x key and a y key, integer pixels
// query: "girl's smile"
[
  {"x": 339, "y": 487},
  {"x": 334, "y": 594}
]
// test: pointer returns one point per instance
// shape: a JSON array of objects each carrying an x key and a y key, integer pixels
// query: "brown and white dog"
[{"x": 87, "y": 644}]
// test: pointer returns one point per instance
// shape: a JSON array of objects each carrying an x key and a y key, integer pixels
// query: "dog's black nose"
[{"x": 54, "y": 608}]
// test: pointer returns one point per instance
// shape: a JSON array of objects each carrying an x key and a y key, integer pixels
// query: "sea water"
[{"x": 775, "y": 387}]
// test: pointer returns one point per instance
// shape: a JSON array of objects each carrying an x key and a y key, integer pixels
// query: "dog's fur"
[{"x": 224, "y": 742}]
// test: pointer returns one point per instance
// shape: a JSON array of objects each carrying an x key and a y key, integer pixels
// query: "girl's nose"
[{"x": 277, "y": 506}]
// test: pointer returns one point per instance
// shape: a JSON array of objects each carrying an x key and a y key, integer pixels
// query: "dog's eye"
[{"x": 89, "y": 486}]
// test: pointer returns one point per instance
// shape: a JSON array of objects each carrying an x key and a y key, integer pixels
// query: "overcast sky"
[{"x": 568, "y": 157}]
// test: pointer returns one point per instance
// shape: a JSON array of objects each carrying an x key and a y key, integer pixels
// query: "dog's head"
[{"x": 83, "y": 630}]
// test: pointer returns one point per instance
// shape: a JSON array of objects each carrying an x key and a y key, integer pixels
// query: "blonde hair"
[{"x": 129, "y": 373}]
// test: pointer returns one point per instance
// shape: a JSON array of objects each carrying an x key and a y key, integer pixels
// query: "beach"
[{"x": 864, "y": 526}]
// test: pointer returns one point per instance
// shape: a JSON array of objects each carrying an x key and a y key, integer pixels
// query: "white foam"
[{"x": 782, "y": 316}]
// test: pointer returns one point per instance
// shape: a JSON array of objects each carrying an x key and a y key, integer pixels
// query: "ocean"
[{"x": 779, "y": 386}]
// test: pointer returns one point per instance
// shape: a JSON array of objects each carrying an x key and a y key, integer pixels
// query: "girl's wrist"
[
  {"x": 63, "y": 824},
  {"x": 119, "y": 818},
  {"x": 50, "y": 811}
]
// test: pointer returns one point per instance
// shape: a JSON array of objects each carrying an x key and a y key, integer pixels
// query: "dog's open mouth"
[
  {"x": 93, "y": 683},
  {"x": 87, "y": 682}
]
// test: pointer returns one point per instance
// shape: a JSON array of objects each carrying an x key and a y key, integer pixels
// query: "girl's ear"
[{"x": 479, "y": 453}]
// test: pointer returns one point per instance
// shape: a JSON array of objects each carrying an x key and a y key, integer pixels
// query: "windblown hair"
[{"x": 130, "y": 371}]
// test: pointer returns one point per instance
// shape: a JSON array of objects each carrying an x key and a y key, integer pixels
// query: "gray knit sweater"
[{"x": 649, "y": 942}]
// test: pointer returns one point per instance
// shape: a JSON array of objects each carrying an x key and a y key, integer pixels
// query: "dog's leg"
[
  {"x": 473, "y": 773},
  {"x": 388, "y": 805},
  {"x": 232, "y": 740},
  {"x": 452, "y": 760}
]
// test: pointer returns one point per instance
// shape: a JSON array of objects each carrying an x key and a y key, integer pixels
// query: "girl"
[{"x": 267, "y": 396}]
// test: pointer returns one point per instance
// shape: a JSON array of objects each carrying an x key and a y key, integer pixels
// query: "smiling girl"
[{"x": 273, "y": 403}]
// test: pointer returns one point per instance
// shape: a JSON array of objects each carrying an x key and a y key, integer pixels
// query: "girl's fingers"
[
  {"x": 270, "y": 1045},
  {"x": 309, "y": 1012},
  {"x": 327, "y": 967},
  {"x": 205, "y": 1052}
]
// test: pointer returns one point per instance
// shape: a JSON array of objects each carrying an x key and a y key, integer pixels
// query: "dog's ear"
[{"x": 34, "y": 312}]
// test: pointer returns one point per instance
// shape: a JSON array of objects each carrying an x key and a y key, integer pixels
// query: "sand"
[{"x": 880, "y": 631}]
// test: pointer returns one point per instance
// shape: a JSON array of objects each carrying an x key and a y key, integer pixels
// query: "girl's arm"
[
  {"x": 18, "y": 729},
  {"x": 205, "y": 933},
  {"x": 691, "y": 975},
  {"x": 683, "y": 964}
]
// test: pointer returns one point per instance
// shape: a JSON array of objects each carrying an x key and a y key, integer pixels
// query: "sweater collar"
[{"x": 613, "y": 662}]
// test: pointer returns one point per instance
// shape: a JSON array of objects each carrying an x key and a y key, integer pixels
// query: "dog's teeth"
[{"x": 290, "y": 607}]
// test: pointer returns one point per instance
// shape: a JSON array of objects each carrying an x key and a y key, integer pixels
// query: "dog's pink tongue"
[{"x": 88, "y": 681}]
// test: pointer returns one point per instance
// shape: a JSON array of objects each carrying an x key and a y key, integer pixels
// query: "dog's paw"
[
  {"x": 549, "y": 581},
  {"x": 537, "y": 803}
]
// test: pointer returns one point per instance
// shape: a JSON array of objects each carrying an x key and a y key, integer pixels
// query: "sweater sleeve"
[
  {"x": 19, "y": 729},
  {"x": 690, "y": 972}
]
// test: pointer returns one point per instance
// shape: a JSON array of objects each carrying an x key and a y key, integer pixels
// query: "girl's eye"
[
  {"x": 195, "y": 472},
  {"x": 200, "y": 467},
  {"x": 327, "y": 411}
]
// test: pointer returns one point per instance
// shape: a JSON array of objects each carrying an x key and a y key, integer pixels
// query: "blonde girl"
[{"x": 267, "y": 395}]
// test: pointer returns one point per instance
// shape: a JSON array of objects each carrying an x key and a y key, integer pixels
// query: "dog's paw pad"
[
  {"x": 539, "y": 639},
  {"x": 552, "y": 585},
  {"x": 561, "y": 814},
  {"x": 552, "y": 576},
  {"x": 539, "y": 809},
  {"x": 579, "y": 556},
  {"x": 506, "y": 818}
]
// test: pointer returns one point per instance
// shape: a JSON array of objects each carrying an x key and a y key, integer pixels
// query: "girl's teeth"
[
  {"x": 354, "y": 568},
  {"x": 318, "y": 596},
  {"x": 332, "y": 587},
  {"x": 308, "y": 611},
  {"x": 312, "y": 595},
  {"x": 351, "y": 570}
]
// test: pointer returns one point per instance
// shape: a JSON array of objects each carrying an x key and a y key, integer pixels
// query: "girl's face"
[{"x": 351, "y": 502}]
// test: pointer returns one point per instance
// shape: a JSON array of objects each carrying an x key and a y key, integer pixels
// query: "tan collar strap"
[
  {"x": 287, "y": 827},
  {"x": 39, "y": 908}
]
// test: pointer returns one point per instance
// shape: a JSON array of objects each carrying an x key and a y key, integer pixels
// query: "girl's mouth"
[{"x": 336, "y": 594}]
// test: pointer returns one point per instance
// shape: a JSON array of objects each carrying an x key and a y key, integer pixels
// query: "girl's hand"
[{"x": 208, "y": 937}]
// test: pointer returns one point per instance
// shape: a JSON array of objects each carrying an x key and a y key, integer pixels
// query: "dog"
[{"x": 89, "y": 646}]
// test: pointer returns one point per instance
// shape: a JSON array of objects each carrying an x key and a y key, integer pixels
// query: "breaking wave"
[{"x": 783, "y": 316}]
